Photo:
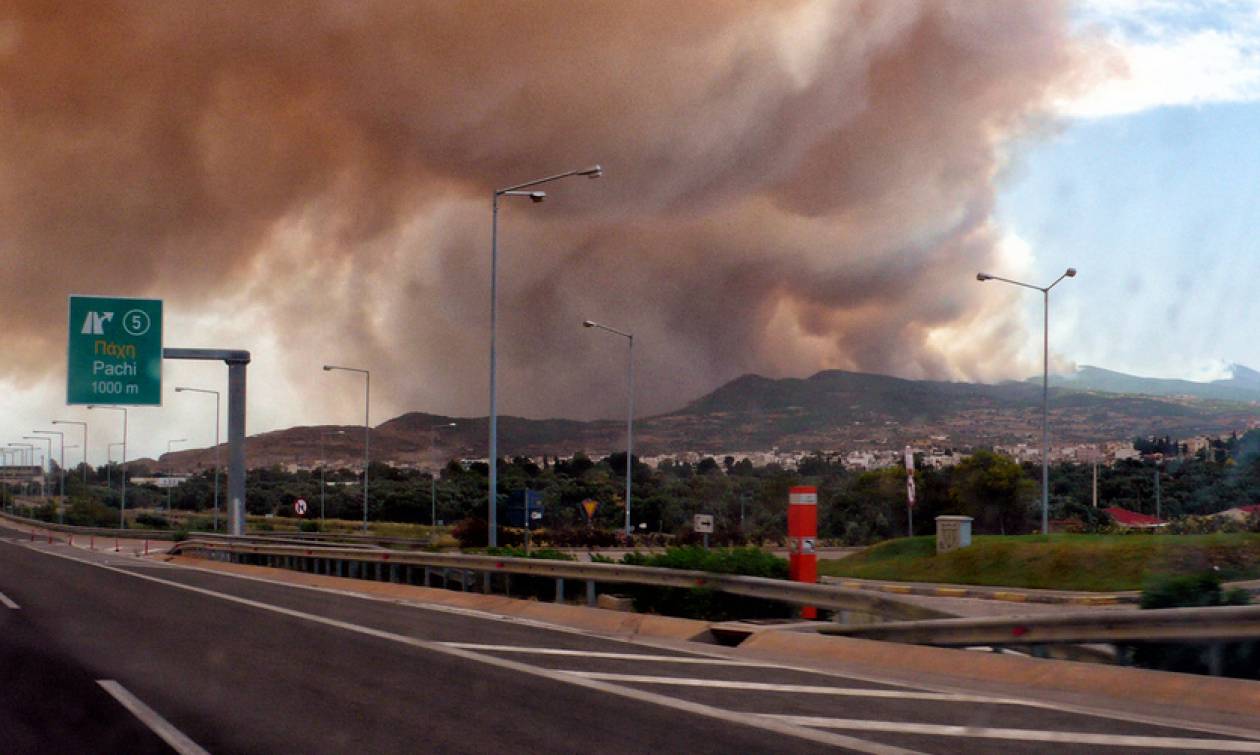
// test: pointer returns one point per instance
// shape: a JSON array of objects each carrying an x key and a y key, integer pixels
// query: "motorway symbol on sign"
[
  {"x": 114, "y": 351},
  {"x": 299, "y": 506},
  {"x": 703, "y": 523}
]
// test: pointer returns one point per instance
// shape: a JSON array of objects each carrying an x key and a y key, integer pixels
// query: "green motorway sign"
[{"x": 115, "y": 354}]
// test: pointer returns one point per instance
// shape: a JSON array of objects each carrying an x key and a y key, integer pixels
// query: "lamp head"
[
  {"x": 327, "y": 368},
  {"x": 588, "y": 324},
  {"x": 1071, "y": 272},
  {"x": 537, "y": 196},
  {"x": 983, "y": 276},
  {"x": 595, "y": 171}
]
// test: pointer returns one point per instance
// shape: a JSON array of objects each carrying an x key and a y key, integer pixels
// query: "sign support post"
[{"x": 236, "y": 361}]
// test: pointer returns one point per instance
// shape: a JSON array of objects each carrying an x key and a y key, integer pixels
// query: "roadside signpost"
[
  {"x": 703, "y": 523},
  {"x": 114, "y": 351}
]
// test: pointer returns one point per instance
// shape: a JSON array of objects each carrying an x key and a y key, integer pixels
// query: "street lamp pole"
[
  {"x": 323, "y": 463},
  {"x": 48, "y": 458},
  {"x": 84, "y": 426},
  {"x": 122, "y": 509},
  {"x": 367, "y": 429},
  {"x": 629, "y": 412},
  {"x": 1045, "y": 384},
  {"x": 169, "y": 443},
  {"x": 594, "y": 171},
  {"x": 22, "y": 450},
  {"x": 217, "y": 451},
  {"x": 109, "y": 465},
  {"x": 433, "y": 478},
  {"x": 61, "y": 463}
]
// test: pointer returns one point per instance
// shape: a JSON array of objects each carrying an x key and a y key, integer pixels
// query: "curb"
[{"x": 984, "y": 593}]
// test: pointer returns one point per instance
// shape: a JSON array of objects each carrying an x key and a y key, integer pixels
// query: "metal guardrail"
[
  {"x": 348, "y": 540},
  {"x": 351, "y": 562},
  {"x": 129, "y": 534},
  {"x": 1207, "y": 625}
]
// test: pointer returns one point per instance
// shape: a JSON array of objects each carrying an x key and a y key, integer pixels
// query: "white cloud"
[{"x": 1173, "y": 53}]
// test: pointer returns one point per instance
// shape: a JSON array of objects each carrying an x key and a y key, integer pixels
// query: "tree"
[{"x": 994, "y": 491}]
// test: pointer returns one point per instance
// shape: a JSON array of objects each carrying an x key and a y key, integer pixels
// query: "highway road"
[{"x": 110, "y": 653}]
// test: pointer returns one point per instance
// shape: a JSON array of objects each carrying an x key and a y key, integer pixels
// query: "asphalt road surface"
[{"x": 113, "y": 654}]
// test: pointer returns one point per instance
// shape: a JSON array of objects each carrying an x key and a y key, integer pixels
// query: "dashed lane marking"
[
  {"x": 1025, "y": 735},
  {"x": 150, "y": 718},
  {"x": 4, "y": 601}
]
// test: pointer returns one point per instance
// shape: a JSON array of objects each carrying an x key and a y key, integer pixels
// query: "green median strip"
[{"x": 1088, "y": 563}]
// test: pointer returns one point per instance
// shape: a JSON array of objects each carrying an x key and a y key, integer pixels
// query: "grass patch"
[{"x": 1063, "y": 562}]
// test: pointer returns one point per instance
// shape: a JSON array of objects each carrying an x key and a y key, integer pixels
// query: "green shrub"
[
  {"x": 703, "y": 603},
  {"x": 88, "y": 512},
  {"x": 152, "y": 521},
  {"x": 309, "y": 525},
  {"x": 1239, "y": 659}
]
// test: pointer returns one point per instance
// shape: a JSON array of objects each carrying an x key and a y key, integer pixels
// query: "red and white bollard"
[{"x": 802, "y": 536}]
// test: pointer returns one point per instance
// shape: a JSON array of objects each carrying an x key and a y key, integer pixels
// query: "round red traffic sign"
[{"x": 299, "y": 507}]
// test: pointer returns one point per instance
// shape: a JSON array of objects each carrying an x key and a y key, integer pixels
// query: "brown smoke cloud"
[{"x": 790, "y": 186}]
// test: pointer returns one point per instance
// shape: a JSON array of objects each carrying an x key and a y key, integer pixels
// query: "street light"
[
  {"x": 84, "y": 425},
  {"x": 109, "y": 465},
  {"x": 367, "y": 429},
  {"x": 30, "y": 449},
  {"x": 594, "y": 171},
  {"x": 169, "y": 443},
  {"x": 433, "y": 478},
  {"x": 217, "y": 450},
  {"x": 630, "y": 410},
  {"x": 61, "y": 463},
  {"x": 122, "y": 508},
  {"x": 323, "y": 463},
  {"x": 1045, "y": 384},
  {"x": 48, "y": 458}
]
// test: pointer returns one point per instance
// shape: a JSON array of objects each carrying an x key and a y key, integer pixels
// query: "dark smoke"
[{"x": 790, "y": 186}]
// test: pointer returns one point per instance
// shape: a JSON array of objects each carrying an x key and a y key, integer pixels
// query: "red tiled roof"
[{"x": 1131, "y": 518}]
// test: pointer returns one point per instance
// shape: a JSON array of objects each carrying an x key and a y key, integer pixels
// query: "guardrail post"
[
  {"x": 559, "y": 589},
  {"x": 590, "y": 593},
  {"x": 427, "y": 583},
  {"x": 485, "y": 582},
  {"x": 1216, "y": 659},
  {"x": 393, "y": 573}
]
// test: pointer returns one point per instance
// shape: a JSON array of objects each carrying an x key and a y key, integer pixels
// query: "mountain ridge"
[{"x": 830, "y": 410}]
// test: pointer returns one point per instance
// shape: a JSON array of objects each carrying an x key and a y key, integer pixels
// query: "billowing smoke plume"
[{"x": 790, "y": 186}]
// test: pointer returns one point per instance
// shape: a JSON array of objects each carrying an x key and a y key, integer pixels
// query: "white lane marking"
[
  {"x": 759, "y": 722},
  {"x": 1027, "y": 735},
  {"x": 810, "y": 689},
  {"x": 4, "y": 601},
  {"x": 150, "y": 718},
  {"x": 606, "y": 655}
]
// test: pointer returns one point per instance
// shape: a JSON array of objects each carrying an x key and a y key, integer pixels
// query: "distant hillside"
[
  {"x": 1242, "y": 385},
  {"x": 831, "y": 410}
]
